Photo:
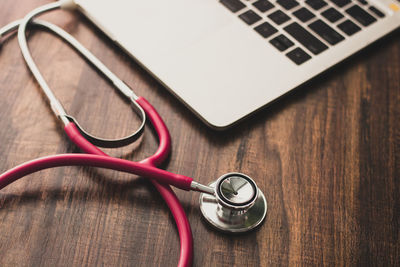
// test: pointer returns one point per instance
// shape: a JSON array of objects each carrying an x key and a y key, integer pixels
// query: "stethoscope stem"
[{"x": 195, "y": 186}]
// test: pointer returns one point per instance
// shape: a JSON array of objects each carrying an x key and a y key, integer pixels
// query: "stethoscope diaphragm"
[{"x": 237, "y": 205}]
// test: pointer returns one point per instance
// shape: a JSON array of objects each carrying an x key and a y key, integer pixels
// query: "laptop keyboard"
[{"x": 316, "y": 25}]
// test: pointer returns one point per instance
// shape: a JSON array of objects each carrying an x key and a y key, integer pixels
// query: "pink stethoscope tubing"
[{"x": 146, "y": 167}]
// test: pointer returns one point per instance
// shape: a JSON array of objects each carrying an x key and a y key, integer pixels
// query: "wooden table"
[{"x": 327, "y": 157}]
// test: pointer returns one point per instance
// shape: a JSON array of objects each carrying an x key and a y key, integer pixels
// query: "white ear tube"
[
  {"x": 68, "y": 4},
  {"x": 9, "y": 28}
]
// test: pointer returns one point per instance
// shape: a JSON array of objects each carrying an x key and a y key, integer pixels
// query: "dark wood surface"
[{"x": 327, "y": 157}]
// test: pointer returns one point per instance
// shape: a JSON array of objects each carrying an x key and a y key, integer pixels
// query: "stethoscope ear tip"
[
  {"x": 237, "y": 206},
  {"x": 68, "y": 4}
]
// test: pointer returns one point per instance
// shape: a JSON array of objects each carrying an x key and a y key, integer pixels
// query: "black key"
[
  {"x": 233, "y": 5},
  {"x": 288, "y": 4},
  {"x": 341, "y": 3},
  {"x": 377, "y": 11},
  {"x": 279, "y": 17},
  {"x": 332, "y": 14},
  {"x": 316, "y": 4},
  {"x": 303, "y": 14},
  {"x": 326, "y": 32},
  {"x": 265, "y": 29},
  {"x": 250, "y": 17},
  {"x": 360, "y": 15},
  {"x": 281, "y": 42},
  {"x": 305, "y": 38},
  {"x": 363, "y": 2},
  {"x": 298, "y": 56},
  {"x": 263, "y": 5},
  {"x": 349, "y": 27}
]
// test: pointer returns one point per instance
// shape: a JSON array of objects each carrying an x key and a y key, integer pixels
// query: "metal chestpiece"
[{"x": 237, "y": 204}]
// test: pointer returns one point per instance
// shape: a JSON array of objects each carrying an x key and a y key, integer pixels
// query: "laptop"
[{"x": 227, "y": 59}]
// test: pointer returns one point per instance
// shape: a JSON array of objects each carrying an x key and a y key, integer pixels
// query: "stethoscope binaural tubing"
[
  {"x": 99, "y": 159},
  {"x": 176, "y": 180}
]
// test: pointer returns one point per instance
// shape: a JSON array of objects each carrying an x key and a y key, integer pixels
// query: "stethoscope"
[{"x": 233, "y": 203}]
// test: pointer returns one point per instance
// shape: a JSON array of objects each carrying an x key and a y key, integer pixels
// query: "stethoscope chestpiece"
[{"x": 237, "y": 205}]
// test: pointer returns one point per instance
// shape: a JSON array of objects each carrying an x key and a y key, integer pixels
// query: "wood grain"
[{"x": 327, "y": 157}]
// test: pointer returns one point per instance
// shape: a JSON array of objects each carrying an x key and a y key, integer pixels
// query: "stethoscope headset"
[{"x": 233, "y": 203}]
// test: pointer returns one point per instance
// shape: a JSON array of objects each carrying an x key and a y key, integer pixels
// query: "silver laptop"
[{"x": 226, "y": 59}]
